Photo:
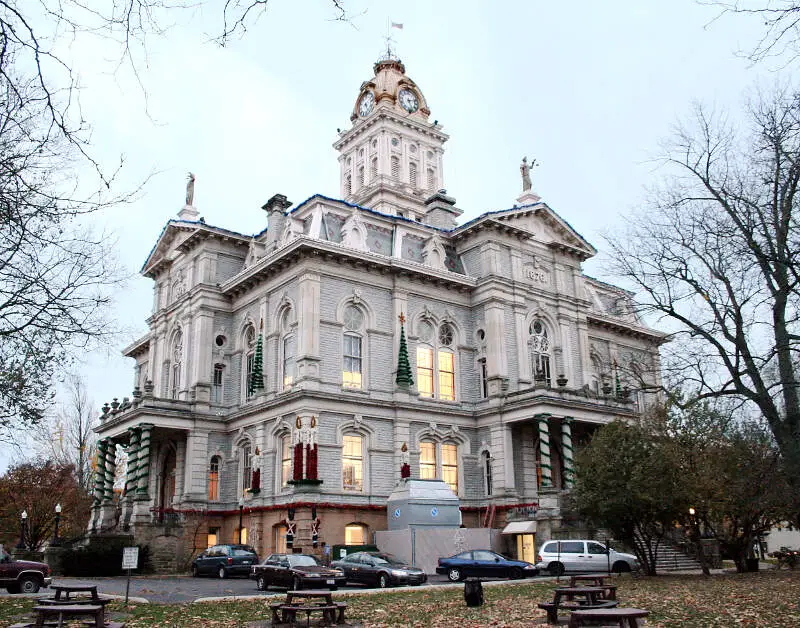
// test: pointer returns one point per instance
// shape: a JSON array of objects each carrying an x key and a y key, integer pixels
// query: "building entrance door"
[{"x": 525, "y": 548}]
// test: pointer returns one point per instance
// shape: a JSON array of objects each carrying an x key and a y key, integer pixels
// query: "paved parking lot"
[{"x": 184, "y": 588}]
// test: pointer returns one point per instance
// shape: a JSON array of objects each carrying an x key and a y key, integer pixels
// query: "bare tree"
[
  {"x": 67, "y": 437},
  {"x": 715, "y": 254},
  {"x": 781, "y": 20}
]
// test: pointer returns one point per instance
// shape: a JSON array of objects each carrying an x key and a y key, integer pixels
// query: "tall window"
[
  {"x": 427, "y": 460},
  {"x": 487, "y": 472},
  {"x": 373, "y": 168},
  {"x": 597, "y": 374},
  {"x": 288, "y": 361},
  {"x": 213, "y": 537},
  {"x": 352, "y": 359},
  {"x": 177, "y": 358},
  {"x": 216, "y": 387},
  {"x": 395, "y": 161},
  {"x": 286, "y": 461},
  {"x": 361, "y": 176},
  {"x": 484, "y": 378},
  {"x": 249, "y": 358},
  {"x": 450, "y": 465},
  {"x": 355, "y": 534},
  {"x": 213, "y": 480},
  {"x": 442, "y": 371},
  {"x": 280, "y": 539},
  {"x": 540, "y": 353},
  {"x": 412, "y": 173},
  {"x": 353, "y": 463},
  {"x": 431, "y": 179},
  {"x": 247, "y": 468},
  {"x": 348, "y": 185}
]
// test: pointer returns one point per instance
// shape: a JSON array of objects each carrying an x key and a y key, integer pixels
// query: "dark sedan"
[
  {"x": 484, "y": 563},
  {"x": 295, "y": 571},
  {"x": 225, "y": 560},
  {"x": 379, "y": 569}
]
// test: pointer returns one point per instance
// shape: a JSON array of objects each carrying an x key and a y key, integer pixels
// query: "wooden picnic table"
[
  {"x": 596, "y": 580},
  {"x": 308, "y": 602},
  {"x": 65, "y": 612},
  {"x": 622, "y": 616},
  {"x": 67, "y": 589},
  {"x": 571, "y": 598}
]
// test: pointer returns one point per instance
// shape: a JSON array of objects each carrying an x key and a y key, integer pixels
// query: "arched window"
[
  {"x": 540, "y": 352},
  {"x": 353, "y": 462},
  {"x": 355, "y": 534},
  {"x": 361, "y": 176},
  {"x": 286, "y": 460},
  {"x": 213, "y": 479},
  {"x": 246, "y": 466},
  {"x": 373, "y": 168},
  {"x": 177, "y": 360},
  {"x": 487, "y": 472},
  {"x": 352, "y": 348},
  {"x": 249, "y": 343},
  {"x": 436, "y": 377},
  {"x": 439, "y": 460}
]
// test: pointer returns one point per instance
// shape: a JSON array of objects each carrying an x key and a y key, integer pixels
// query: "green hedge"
[{"x": 102, "y": 557}]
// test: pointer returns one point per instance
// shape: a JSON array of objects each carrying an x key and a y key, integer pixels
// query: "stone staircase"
[{"x": 672, "y": 558}]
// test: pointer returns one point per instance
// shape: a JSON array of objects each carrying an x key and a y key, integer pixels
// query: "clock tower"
[{"x": 391, "y": 158}]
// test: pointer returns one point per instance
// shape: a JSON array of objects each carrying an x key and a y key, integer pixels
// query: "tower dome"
[{"x": 390, "y": 85}]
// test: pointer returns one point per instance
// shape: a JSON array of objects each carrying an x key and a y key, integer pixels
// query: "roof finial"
[
  {"x": 389, "y": 55},
  {"x": 189, "y": 212}
]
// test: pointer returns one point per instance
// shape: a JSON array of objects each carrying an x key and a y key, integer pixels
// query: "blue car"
[{"x": 484, "y": 563}]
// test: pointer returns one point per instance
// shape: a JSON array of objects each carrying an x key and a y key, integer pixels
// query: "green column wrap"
[
  {"x": 133, "y": 462},
  {"x": 544, "y": 451},
  {"x": 99, "y": 472},
  {"x": 566, "y": 448},
  {"x": 110, "y": 467},
  {"x": 143, "y": 474}
]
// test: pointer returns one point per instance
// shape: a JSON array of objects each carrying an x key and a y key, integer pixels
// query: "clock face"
[
  {"x": 408, "y": 100},
  {"x": 366, "y": 104}
]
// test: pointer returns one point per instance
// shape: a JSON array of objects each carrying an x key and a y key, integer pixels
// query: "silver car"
[{"x": 556, "y": 557}]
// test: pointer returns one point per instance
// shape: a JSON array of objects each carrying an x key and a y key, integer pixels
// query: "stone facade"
[{"x": 515, "y": 355}]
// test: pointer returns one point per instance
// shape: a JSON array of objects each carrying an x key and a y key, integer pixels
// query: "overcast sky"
[{"x": 589, "y": 89}]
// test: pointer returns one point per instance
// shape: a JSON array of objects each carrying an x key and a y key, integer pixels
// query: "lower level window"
[{"x": 354, "y": 534}]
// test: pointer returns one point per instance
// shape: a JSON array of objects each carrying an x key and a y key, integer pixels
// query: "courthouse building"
[{"x": 290, "y": 378}]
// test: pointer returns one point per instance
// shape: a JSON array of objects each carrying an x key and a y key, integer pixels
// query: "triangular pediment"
[{"x": 546, "y": 226}]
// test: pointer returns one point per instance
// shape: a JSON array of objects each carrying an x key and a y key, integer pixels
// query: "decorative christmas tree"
[
  {"x": 257, "y": 376},
  {"x": 403, "y": 379}
]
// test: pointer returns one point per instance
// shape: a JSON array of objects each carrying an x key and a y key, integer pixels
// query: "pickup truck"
[{"x": 22, "y": 576}]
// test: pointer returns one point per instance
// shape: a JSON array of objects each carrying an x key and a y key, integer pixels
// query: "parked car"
[
  {"x": 22, "y": 576},
  {"x": 484, "y": 563},
  {"x": 295, "y": 571},
  {"x": 379, "y": 569},
  {"x": 556, "y": 557},
  {"x": 225, "y": 560}
]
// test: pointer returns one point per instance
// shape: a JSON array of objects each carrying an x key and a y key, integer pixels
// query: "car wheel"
[
  {"x": 297, "y": 584},
  {"x": 555, "y": 569},
  {"x": 454, "y": 574},
  {"x": 28, "y": 584},
  {"x": 222, "y": 573},
  {"x": 195, "y": 572},
  {"x": 383, "y": 581},
  {"x": 261, "y": 583},
  {"x": 516, "y": 574},
  {"x": 621, "y": 567}
]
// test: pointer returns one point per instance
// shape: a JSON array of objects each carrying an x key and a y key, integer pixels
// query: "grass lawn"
[{"x": 760, "y": 599}]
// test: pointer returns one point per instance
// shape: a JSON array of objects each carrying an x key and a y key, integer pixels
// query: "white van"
[{"x": 556, "y": 557}]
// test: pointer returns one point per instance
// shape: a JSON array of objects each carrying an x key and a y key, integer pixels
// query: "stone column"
[
  {"x": 99, "y": 473},
  {"x": 544, "y": 450},
  {"x": 496, "y": 358},
  {"x": 133, "y": 453},
  {"x": 109, "y": 466},
  {"x": 566, "y": 449},
  {"x": 502, "y": 447},
  {"x": 198, "y": 356},
  {"x": 196, "y": 463},
  {"x": 143, "y": 474},
  {"x": 308, "y": 331},
  {"x": 524, "y": 360}
]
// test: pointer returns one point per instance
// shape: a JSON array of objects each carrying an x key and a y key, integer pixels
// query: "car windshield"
[
  {"x": 387, "y": 559},
  {"x": 302, "y": 561}
]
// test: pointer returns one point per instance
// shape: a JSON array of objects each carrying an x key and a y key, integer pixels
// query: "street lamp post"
[
  {"x": 58, "y": 518},
  {"x": 23, "y": 518},
  {"x": 241, "y": 510}
]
